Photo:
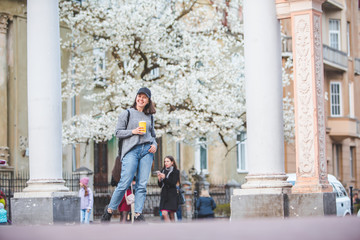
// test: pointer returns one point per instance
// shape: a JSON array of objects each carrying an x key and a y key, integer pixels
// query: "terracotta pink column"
[{"x": 311, "y": 169}]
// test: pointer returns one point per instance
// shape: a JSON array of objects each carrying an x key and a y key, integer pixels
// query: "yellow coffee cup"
[{"x": 143, "y": 125}]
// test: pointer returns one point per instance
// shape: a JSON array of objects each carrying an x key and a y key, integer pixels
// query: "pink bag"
[{"x": 130, "y": 198}]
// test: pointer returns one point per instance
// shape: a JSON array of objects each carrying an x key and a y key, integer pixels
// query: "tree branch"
[{"x": 223, "y": 140}]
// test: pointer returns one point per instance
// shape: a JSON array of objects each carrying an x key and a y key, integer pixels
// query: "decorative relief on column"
[
  {"x": 304, "y": 97},
  {"x": 3, "y": 23},
  {"x": 320, "y": 97},
  {"x": 4, "y": 153}
]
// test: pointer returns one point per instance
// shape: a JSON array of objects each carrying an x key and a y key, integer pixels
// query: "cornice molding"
[{"x": 284, "y": 8}]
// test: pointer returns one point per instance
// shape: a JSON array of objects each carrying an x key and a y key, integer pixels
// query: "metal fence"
[
  {"x": 11, "y": 182},
  {"x": 102, "y": 196},
  {"x": 218, "y": 193}
]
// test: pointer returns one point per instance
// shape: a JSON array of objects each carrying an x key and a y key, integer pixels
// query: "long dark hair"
[
  {"x": 172, "y": 160},
  {"x": 148, "y": 109}
]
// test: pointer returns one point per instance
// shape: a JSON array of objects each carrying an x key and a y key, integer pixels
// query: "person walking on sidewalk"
[
  {"x": 86, "y": 200},
  {"x": 138, "y": 148},
  {"x": 167, "y": 180}
]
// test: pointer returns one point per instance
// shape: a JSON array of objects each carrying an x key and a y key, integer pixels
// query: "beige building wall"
[{"x": 17, "y": 84}]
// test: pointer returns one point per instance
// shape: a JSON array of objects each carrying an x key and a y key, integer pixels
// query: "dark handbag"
[
  {"x": 116, "y": 172},
  {"x": 180, "y": 196}
]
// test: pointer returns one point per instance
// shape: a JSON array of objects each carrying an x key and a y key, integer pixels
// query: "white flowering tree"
[{"x": 189, "y": 53}]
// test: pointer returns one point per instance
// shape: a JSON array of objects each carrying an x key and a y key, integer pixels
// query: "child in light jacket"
[{"x": 86, "y": 202}]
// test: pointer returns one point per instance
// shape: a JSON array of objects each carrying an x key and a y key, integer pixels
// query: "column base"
[
  {"x": 266, "y": 183},
  {"x": 258, "y": 205},
  {"x": 53, "y": 185},
  {"x": 312, "y": 204},
  {"x": 282, "y": 205},
  {"x": 45, "y": 208}
]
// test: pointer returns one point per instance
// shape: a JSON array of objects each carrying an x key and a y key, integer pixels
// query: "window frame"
[
  {"x": 337, "y": 160},
  {"x": 348, "y": 40},
  {"x": 155, "y": 73},
  {"x": 352, "y": 159},
  {"x": 241, "y": 143},
  {"x": 158, "y": 157},
  {"x": 351, "y": 100},
  {"x": 199, "y": 145},
  {"x": 336, "y": 31},
  {"x": 99, "y": 65},
  {"x": 332, "y": 114}
]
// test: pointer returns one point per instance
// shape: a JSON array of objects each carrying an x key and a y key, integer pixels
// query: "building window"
[
  {"x": 201, "y": 156},
  {"x": 334, "y": 33},
  {"x": 241, "y": 152},
  {"x": 337, "y": 152},
  {"x": 100, "y": 166},
  {"x": 351, "y": 100},
  {"x": 335, "y": 99},
  {"x": 178, "y": 154},
  {"x": 154, "y": 73},
  {"x": 99, "y": 68},
  {"x": 352, "y": 163},
  {"x": 348, "y": 37},
  {"x": 158, "y": 158}
]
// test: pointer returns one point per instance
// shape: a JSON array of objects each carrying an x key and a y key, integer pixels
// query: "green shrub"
[{"x": 222, "y": 210}]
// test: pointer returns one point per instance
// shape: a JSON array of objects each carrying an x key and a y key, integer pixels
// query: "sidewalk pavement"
[{"x": 327, "y": 228}]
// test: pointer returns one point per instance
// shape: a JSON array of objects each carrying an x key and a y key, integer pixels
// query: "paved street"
[{"x": 289, "y": 229}]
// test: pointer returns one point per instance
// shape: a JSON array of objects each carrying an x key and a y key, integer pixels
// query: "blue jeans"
[
  {"x": 137, "y": 160},
  {"x": 85, "y": 216}
]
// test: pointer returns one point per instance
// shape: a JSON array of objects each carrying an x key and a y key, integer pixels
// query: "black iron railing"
[{"x": 11, "y": 182}]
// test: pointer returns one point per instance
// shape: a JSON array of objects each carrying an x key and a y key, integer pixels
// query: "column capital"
[
  {"x": 284, "y": 8},
  {"x": 4, "y": 22}
]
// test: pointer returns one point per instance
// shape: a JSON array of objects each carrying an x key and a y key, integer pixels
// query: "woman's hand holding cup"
[{"x": 138, "y": 130}]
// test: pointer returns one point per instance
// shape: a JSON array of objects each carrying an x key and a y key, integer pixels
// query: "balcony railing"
[
  {"x": 335, "y": 58},
  {"x": 332, "y": 56},
  {"x": 357, "y": 66}
]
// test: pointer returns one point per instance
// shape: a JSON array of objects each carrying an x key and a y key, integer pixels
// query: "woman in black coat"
[{"x": 168, "y": 178}]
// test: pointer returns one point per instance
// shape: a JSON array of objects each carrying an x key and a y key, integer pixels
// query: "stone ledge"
[
  {"x": 47, "y": 209},
  {"x": 282, "y": 205}
]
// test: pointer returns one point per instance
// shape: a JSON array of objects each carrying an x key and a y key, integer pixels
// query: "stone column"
[
  {"x": 311, "y": 166},
  {"x": 264, "y": 108},
  {"x": 263, "y": 193},
  {"x": 46, "y": 200},
  {"x": 44, "y": 97},
  {"x": 3, "y": 88}
]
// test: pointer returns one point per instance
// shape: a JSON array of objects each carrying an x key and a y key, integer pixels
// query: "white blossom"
[{"x": 184, "y": 51}]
